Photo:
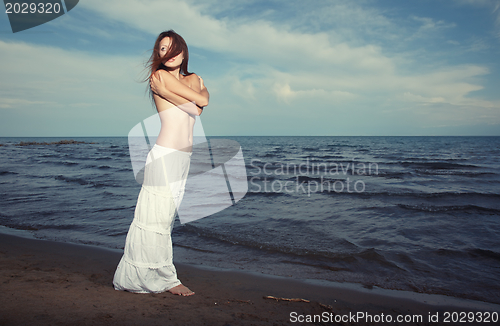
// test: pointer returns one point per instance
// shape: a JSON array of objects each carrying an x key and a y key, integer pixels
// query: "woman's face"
[{"x": 172, "y": 62}]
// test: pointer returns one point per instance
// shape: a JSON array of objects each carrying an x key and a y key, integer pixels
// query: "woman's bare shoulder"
[
  {"x": 192, "y": 76},
  {"x": 191, "y": 80},
  {"x": 160, "y": 73},
  {"x": 164, "y": 77}
]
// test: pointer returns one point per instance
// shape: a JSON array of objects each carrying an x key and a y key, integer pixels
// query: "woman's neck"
[{"x": 176, "y": 72}]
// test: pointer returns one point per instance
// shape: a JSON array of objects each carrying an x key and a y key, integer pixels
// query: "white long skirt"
[{"x": 147, "y": 263}]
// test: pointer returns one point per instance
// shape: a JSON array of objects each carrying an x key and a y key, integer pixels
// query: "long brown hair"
[
  {"x": 177, "y": 46},
  {"x": 155, "y": 62}
]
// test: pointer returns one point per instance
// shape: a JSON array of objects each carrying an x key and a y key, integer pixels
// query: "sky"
[{"x": 272, "y": 67}]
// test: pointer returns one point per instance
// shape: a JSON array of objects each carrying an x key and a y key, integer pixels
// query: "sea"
[{"x": 418, "y": 214}]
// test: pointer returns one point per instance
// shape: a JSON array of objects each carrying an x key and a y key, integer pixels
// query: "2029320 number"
[{"x": 32, "y": 8}]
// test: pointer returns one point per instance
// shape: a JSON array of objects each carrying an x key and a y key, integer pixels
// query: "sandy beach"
[{"x": 51, "y": 283}]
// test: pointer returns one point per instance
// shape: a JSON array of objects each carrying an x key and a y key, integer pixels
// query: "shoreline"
[
  {"x": 431, "y": 298},
  {"x": 52, "y": 282}
]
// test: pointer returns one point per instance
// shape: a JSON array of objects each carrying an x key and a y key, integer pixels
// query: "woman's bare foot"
[{"x": 181, "y": 290}]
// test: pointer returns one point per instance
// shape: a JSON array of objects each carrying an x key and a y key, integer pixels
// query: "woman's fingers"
[{"x": 153, "y": 83}]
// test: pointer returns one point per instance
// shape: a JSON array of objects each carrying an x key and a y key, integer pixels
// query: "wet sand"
[{"x": 51, "y": 283}]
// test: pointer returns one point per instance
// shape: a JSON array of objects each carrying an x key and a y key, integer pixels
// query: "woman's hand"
[
  {"x": 156, "y": 85},
  {"x": 202, "y": 86},
  {"x": 174, "y": 92},
  {"x": 160, "y": 89},
  {"x": 203, "y": 90},
  {"x": 165, "y": 85}
]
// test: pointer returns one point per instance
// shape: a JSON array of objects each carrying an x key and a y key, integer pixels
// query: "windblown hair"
[{"x": 177, "y": 46}]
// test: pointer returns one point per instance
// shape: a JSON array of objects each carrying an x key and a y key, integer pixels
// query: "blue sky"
[{"x": 386, "y": 67}]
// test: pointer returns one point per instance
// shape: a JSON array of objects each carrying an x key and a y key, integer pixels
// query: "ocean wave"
[
  {"x": 267, "y": 155},
  {"x": 266, "y": 194},
  {"x": 341, "y": 145},
  {"x": 38, "y": 227},
  {"x": 455, "y": 172},
  {"x": 7, "y": 172},
  {"x": 27, "y": 198},
  {"x": 393, "y": 175},
  {"x": 84, "y": 182},
  {"x": 416, "y": 172},
  {"x": 346, "y": 253},
  {"x": 80, "y": 181},
  {"x": 121, "y": 154},
  {"x": 469, "y": 253},
  {"x": 50, "y": 155},
  {"x": 129, "y": 169},
  {"x": 115, "y": 209},
  {"x": 421, "y": 195},
  {"x": 484, "y": 253},
  {"x": 306, "y": 178},
  {"x": 463, "y": 208},
  {"x": 69, "y": 163},
  {"x": 61, "y": 142},
  {"x": 436, "y": 165},
  {"x": 194, "y": 248}
]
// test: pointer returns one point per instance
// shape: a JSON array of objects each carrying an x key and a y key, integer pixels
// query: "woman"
[{"x": 179, "y": 96}]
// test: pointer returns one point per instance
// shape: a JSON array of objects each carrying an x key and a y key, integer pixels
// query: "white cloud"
[
  {"x": 429, "y": 26},
  {"x": 257, "y": 40},
  {"x": 285, "y": 66},
  {"x": 315, "y": 65},
  {"x": 243, "y": 88},
  {"x": 58, "y": 85},
  {"x": 10, "y": 103}
]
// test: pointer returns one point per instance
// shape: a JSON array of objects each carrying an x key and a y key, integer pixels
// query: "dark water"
[{"x": 409, "y": 213}]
